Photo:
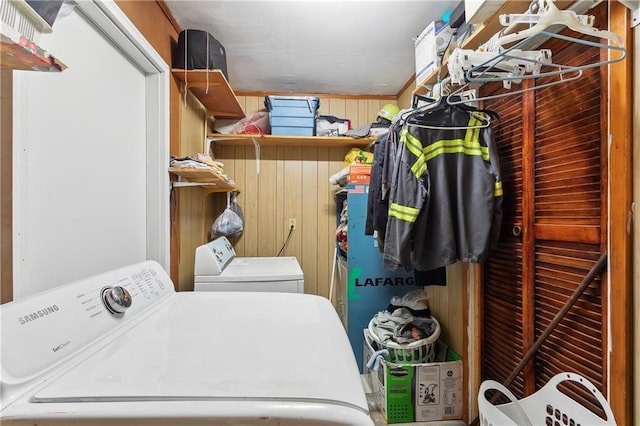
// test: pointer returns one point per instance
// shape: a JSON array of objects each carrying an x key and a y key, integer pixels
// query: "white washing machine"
[
  {"x": 123, "y": 348},
  {"x": 217, "y": 268}
]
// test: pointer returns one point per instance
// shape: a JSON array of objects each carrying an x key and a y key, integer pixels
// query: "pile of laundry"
[
  {"x": 406, "y": 320},
  {"x": 200, "y": 161}
]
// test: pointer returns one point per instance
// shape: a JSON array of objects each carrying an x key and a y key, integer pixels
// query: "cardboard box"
[
  {"x": 359, "y": 174},
  {"x": 417, "y": 392},
  {"x": 430, "y": 44},
  {"x": 479, "y": 11}
]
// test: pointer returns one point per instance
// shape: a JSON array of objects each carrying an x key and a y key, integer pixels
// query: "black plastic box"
[{"x": 199, "y": 50}]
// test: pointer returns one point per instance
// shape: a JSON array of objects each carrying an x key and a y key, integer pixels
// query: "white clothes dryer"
[
  {"x": 123, "y": 348},
  {"x": 217, "y": 268}
]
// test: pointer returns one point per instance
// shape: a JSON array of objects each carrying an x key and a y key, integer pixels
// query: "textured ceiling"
[{"x": 341, "y": 47}]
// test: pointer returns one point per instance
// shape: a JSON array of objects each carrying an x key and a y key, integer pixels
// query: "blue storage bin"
[
  {"x": 292, "y": 131},
  {"x": 292, "y": 106},
  {"x": 292, "y": 121},
  {"x": 292, "y": 115}
]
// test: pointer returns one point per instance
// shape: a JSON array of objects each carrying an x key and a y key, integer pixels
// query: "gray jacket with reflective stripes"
[{"x": 445, "y": 201}]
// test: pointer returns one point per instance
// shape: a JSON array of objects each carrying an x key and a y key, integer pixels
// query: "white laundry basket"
[
  {"x": 548, "y": 406},
  {"x": 419, "y": 351}
]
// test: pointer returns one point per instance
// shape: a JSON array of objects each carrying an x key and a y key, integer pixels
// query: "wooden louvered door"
[
  {"x": 569, "y": 218},
  {"x": 553, "y": 157},
  {"x": 503, "y": 289}
]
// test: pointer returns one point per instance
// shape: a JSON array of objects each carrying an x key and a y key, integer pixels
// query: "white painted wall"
[{"x": 84, "y": 199}]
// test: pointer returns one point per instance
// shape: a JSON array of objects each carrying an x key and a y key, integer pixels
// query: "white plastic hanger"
[
  {"x": 509, "y": 59},
  {"x": 550, "y": 15},
  {"x": 508, "y": 67}
]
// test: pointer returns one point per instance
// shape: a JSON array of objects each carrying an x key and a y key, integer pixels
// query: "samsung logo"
[{"x": 38, "y": 314}]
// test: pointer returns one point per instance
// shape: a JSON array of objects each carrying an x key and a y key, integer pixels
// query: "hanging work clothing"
[
  {"x": 445, "y": 200},
  {"x": 376, "y": 206},
  {"x": 384, "y": 156}
]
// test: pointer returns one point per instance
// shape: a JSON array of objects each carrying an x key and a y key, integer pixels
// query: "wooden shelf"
[
  {"x": 483, "y": 33},
  {"x": 18, "y": 53},
  {"x": 213, "y": 90},
  {"x": 214, "y": 181},
  {"x": 298, "y": 141}
]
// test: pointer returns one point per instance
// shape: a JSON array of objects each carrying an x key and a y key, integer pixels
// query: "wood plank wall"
[
  {"x": 293, "y": 182},
  {"x": 636, "y": 220},
  {"x": 189, "y": 202},
  {"x": 6, "y": 184}
]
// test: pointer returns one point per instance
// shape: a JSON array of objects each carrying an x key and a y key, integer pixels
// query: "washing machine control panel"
[
  {"x": 213, "y": 257},
  {"x": 40, "y": 330}
]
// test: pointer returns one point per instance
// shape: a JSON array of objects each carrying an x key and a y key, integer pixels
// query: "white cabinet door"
[{"x": 81, "y": 161}]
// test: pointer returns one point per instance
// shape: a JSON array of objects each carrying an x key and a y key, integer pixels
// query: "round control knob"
[{"x": 116, "y": 299}]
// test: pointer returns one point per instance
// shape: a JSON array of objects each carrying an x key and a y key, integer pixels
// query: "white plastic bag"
[
  {"x": 231, "y": 222},
  {"x": 256, "y": 124}
]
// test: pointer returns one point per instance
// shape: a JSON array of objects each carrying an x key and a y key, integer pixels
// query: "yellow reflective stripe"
[
  {"x": 485, "y": 153},
  {"x": 470, "y": 135},
  {"x": 408, "y": 214},
  {"x": 470, "y": 145},
  {"x": 498, "y": 190},
  {"x": 413, "y": 145},
  {"x": 437, "y": 145},
  {"x": 404, "y": 209},
  {"x": 419, "y": 167},
  {"x": 455, "y": 146},
  {"x": 474, "y": 121},
  {"x": 455, "y": 142}
]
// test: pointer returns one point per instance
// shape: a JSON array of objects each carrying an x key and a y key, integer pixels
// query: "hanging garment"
[
  {"x": 375, "y": 206},
  {"x": 445, "y": 200},
  {"x": 385, "y": 153},
  {"x": 427, "y": 278}
]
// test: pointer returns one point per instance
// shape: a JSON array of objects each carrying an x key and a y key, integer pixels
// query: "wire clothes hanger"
[
  {"x": 507, "y": 77},
  {"x": 478, "y": 118},
  {"x": 482, "y": 119},
  {"x": 519, "y": 62}
]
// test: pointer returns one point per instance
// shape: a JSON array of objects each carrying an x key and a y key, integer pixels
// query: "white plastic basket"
[
  {"x": 18, "y": 16},
  {"x": 417, "y": 352},
  {"x": 548, "y": 406}
]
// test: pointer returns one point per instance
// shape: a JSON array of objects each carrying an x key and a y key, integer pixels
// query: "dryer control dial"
[{"x": 116, "y": 299}]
